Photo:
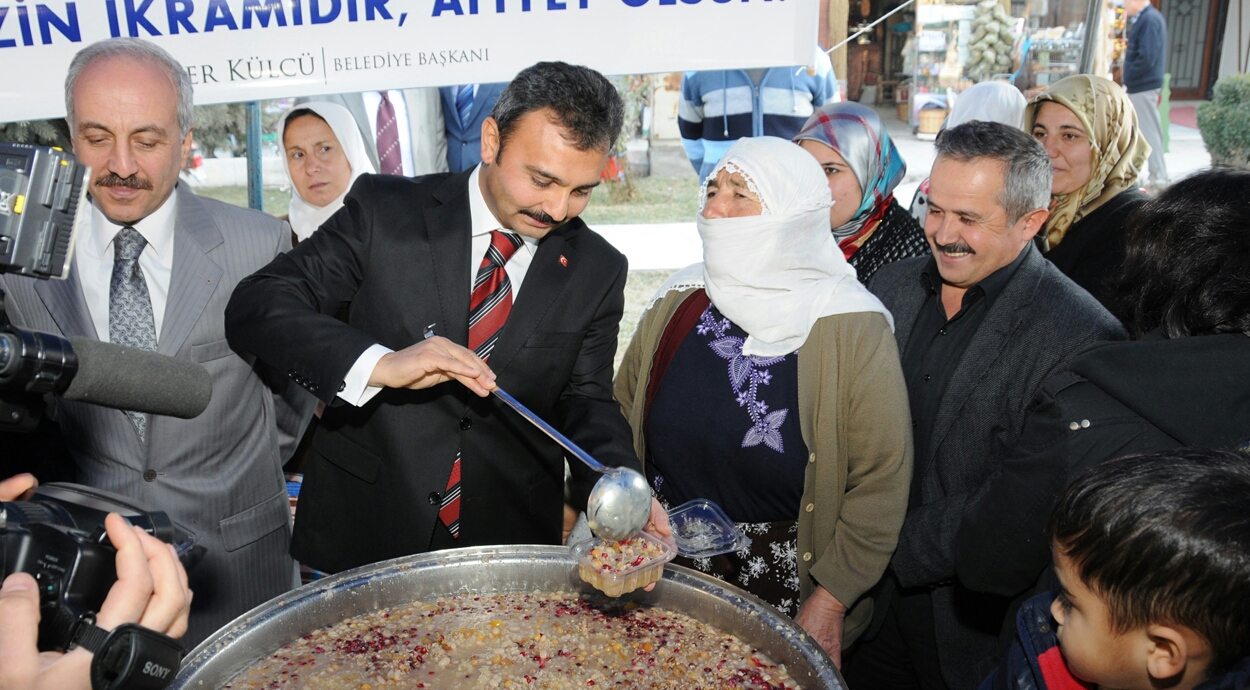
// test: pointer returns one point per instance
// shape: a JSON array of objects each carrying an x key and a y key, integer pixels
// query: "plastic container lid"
[{"x": 701, "y": 529}]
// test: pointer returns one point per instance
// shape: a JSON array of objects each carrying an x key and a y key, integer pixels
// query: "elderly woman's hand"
[
  {"x": 822, "y": 616},
  {"x": 658, "y": 527}
]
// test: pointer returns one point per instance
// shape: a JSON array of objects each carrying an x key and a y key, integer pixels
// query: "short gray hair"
[
  {"x": 135, "y": 49},
  {"x": 1026, "y": 186}
]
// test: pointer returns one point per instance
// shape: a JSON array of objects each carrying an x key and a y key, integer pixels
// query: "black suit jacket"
[
  {"x": 396, "y": 256},
  {"x": 1116, "y": 399},
  {"x": 1034, "y": 327}
]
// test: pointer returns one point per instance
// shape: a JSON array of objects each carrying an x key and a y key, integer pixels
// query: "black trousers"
[{"x": 903, "y": 655}]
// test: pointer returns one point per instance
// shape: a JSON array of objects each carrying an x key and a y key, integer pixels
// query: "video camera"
[
  {"x": 58, "y": 536},
  {"x": 41, "y": 191}
]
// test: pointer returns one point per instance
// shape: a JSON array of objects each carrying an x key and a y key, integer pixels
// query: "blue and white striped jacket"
[{"x": 719, "y": 107}]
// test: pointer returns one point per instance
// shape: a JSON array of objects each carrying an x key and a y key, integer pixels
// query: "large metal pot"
[{"x": 425, "y": 577}]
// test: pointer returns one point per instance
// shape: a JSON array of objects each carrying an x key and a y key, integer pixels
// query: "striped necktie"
[
  {"x": 488, "y": 310},
  {"x": 390, "y": 159},
  {"x": 464, "y": 104}
]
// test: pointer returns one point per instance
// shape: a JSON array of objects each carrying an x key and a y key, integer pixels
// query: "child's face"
[{"x": 1094, "y": 652}]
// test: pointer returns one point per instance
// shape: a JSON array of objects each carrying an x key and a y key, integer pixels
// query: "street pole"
[
  {"x": 255, "y": 178},
  {"x": 1093, "y": 27}
]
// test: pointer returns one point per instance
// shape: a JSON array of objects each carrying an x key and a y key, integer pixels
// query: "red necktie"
[
  {"x": 390, "y": 160},
  {"x": 488, "y": 310}
]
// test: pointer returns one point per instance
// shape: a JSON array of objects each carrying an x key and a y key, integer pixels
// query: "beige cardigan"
[{"x": 855, "y": 420}]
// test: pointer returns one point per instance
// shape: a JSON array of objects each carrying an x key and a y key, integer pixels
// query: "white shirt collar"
[
  {"x": 157, "y": 228},
  {"x": 483, "y": 220}
]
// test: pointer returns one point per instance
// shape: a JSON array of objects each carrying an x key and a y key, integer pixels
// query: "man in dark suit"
[
  {"x": 980, "y": 324},
  {"x": 465, "y": 108},
  {"x": 494, "y": 258}
]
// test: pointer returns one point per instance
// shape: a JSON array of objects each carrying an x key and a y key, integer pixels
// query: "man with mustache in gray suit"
[{"x": 153, "y": 269}]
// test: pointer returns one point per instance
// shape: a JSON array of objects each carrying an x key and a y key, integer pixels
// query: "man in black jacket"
[
  {"x": 494, "y": 258},
  {"x": 1145, "y": 59},
  {"x": 980, "y": 324},
  {"x": 1182, "y": 383}
]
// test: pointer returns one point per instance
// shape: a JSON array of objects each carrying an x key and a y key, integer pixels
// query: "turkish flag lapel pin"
[{"x": 563, "y": 261}]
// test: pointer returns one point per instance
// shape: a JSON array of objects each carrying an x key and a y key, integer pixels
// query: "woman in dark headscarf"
[{"x": 863, "y": 168}]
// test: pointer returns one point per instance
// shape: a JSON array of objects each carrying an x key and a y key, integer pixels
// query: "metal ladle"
[{"x": 620, "y": 502}]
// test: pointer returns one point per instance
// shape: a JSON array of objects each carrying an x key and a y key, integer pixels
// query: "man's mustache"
[
  {"x": 539, "y": 216},
  {"x": 956, "y": 248},
  {"x": 115, "y": 180}
]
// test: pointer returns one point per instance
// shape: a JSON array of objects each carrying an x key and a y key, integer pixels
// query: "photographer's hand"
[
  {"x": 151, "y": 590},
  {"x": 17, "y": 486},
  {"x": 151, "y": 587}
]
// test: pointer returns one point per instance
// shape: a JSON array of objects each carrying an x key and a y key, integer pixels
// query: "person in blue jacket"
[
  {"x": 465, "y": 107},
  {"x": 720, "y": 107},
  {"x": 1152, "y": 553},
  {"x": 1145, "y": 59}
]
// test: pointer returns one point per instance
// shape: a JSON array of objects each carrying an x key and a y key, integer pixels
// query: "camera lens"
[{"x": 9, "y": 346}]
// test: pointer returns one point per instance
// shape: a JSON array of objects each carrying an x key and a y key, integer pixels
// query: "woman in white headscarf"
[
  {"x": 323, "y": 155},
  {"x": 767, "y": 380},
  {"x": 989, "y": 101}
]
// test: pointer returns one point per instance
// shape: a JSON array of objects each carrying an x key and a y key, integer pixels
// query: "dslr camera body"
[{"x": 58, "y": 537}]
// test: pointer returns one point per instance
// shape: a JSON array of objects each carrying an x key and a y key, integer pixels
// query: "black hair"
[
  {"x": 297, "y": 114},
  {"x": 584, "y": 102},
  {"x": 1164, "y": 538},
  {"x": 1187, "y": 258},
  {"x": 1026, "y": 186}
]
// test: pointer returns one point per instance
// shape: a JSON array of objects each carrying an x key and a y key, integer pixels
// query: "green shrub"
[
  {"x": 1225, "y": 122},
  {"x": 37, "y": 132}
]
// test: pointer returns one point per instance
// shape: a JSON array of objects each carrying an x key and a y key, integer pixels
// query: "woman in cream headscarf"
[
  {"x": 1089, "y": 129},
  {"x": 767, "y": 380},
  {"x": 323, "y": 155}
]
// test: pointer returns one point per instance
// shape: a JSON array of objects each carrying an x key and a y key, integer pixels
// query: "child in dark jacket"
[{"x": 1152, "y": 553}]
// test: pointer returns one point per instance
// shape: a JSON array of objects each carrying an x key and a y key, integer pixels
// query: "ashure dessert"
[
  {"x": 616, "y": 567},
  {"x": 516, "y": 640}
]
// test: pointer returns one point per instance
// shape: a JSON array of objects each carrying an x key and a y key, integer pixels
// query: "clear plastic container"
[
  {"x": 701, "y": 530},
  {"x": 615, "y": 580}
]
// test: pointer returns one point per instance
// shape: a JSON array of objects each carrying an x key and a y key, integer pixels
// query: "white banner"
[{"x": 244, "y": 50}]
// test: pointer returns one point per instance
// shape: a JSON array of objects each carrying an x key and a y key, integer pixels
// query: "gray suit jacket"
[
  {"x": 425, "y": 124},
  {"x": 220, "y": 473},
  {"x": 1032, "y": 330}
]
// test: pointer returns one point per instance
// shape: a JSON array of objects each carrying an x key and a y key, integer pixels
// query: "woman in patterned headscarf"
[
  {"x": 863, "y": 168},
  {"x": 1089, "y": 129},
  {"x": 766, "y": 379}
]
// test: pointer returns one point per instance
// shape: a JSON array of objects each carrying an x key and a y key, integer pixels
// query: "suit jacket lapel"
[
  {"x": 194, "y": 276},
  {"x": 65, "y": 302},
  {"x": 544, "y": 280},
  {"x": 448, "y": 228},
  {"x": 1005, "y": 316},
  {"x": 906, "y": 309}
]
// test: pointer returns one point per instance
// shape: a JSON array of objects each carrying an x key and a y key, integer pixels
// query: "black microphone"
[{"x": 127, "y": 378}]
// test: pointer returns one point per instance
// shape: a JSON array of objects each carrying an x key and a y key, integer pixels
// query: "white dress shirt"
[
  {"x": 93, "y": 259},
  {"x": 356, "y": 388},
  {"x": 373, "y": 101}
]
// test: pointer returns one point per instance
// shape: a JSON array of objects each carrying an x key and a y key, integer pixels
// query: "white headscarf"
[
  {"x": 989, "y": 101},
  {"x": 305, "y": 218},
  {"x": 775, "y": 274}
]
